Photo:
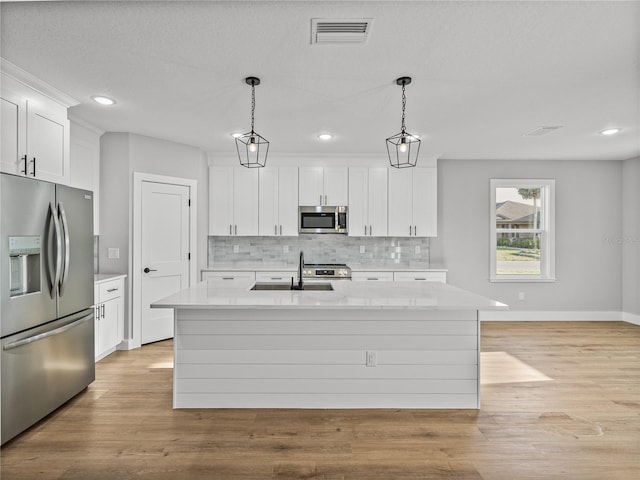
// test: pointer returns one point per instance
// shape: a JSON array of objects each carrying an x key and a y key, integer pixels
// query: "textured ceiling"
[{"x": 484, "y": 73}]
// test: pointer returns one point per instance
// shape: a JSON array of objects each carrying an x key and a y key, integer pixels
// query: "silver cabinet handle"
[
  {"x": 276, "y": 278},
  {"x": 325, "y": 200},
  {"x": 97, "y": 312},
  {"x": 41, "y": 336},
  {"x": 419, "y": 278},
  {"x": 275, "y": 230},
  {"x": 280, "y": 229},
  {"x": 54, "y": 270},
  {"x": 409, "y": 230},
  {"x": 116, "y": 288},
  {"x": 236, "y": 230},
  {"x": 321, "y": 199},
  {"x": 230, "y": 230},
  {"x": 102, "y": 309},
  {"x": 227, "y": 278},
  {"x": 415, "y": 231},
  {"x": 373, "y": 278},
  {"x": 370, "y": 230},
  {"x": 67, "y": 252}
]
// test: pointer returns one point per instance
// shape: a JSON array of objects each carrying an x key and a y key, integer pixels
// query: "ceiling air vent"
[
  {"x": 340, "y": 31},
  {"x": 541, "y": 131}
]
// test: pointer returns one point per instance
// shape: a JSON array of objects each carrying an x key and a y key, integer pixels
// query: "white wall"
[
  {"x": 122, "y": 154},
  {"x": 631, "y": 239},
  {"x": 588, "y": 226}
]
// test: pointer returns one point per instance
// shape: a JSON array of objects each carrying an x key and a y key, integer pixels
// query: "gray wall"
[
  {"x": 122, "y": 154},
  {"x": 588, "y": 224},
  {"x": 631, "y": 236}
]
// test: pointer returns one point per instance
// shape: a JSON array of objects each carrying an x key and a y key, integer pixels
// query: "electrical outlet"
[
  {"x": 236, "y": 248},
  {"x": 113, "y": 253},
  {"x": 521, "y": 296},
  {"x": 361, "y": 248},
  {"x": 417, "y": 249},
  {"x": 285, "y": 249},
  {"x": 372, "y": 359}
]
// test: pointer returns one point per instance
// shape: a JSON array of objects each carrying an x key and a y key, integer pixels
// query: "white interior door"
[{"x": 164, "y": 253}]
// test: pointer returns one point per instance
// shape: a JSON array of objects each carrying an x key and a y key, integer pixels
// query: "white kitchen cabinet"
[
  {"x": 413, "y": 202},
  {"x": 368, "y": 202},
  {"x": 85, "y": 165},
  {"x": 283, "y": 276},
  {"x": 109, "y": 316},
  {"x": 231, "y": 278},
  {"x": 233, "y": 201},
  {"x": 382, "y": 276},
  {"x": 420, "y": 276},
  {"x": 278, "y": 204},
  {"x": 323, "y": 186},
  {"x": 35, "y": 133}
]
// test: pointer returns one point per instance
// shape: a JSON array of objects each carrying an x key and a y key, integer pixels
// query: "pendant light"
[
  {"x": 252, "y": 148},
  {"x": 403, "y": 147}
]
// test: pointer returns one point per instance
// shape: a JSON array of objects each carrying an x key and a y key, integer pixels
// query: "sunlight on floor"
[
  {"x": 500, "y": 367},
  {"x": 168, "y": 364}
]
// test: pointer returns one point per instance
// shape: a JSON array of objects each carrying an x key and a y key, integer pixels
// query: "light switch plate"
[{"x": 113, "y": 253}]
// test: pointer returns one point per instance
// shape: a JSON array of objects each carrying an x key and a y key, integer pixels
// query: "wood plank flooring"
[{"x": 559, "y": 400}]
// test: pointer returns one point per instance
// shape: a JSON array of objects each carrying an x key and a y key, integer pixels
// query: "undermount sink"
[{"x": 284, "y": 286}]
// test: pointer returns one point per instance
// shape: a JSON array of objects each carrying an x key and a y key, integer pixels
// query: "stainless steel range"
[{"x": 326, "y": 271}]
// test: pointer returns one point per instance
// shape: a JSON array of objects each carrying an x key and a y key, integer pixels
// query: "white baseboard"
[
  {"x": 552, "y": 316},
  {"x": 127, "y": 344},
  {"x": 631, "y": 318}
]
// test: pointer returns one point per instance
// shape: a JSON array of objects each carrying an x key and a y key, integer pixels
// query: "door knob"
[{"x": 147, "y": 270}]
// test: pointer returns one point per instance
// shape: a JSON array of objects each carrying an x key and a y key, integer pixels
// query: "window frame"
[{"x": 546, "y": 230}]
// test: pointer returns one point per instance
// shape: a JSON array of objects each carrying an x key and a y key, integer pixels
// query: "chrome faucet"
[{"x": 300, "y": 285}]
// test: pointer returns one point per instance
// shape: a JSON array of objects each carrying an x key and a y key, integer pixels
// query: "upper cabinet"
[
  {"x": 323, "y": 186},
  {"x": 85, "y": 164},
  {"x": 413, "y": 198},
  {"x": 368, "y": 202},
  {"x": 278, "y": 205},
  {"x": 233, "y": 201},
  {"x": 35, "y": 133}
]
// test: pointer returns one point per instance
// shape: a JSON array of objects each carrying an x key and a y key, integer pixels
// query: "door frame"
[{"x": 135, "y": 262}]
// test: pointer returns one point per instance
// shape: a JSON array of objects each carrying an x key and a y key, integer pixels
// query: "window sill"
[{"x": 520, "y": 279}]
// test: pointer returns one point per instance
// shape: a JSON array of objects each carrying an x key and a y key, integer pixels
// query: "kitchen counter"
[
  {"x": 105, "y": 277},
  {"x": 386, "y": 345}
]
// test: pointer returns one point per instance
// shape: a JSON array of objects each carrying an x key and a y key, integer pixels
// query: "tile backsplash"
[{"x": 361, "y": 251}]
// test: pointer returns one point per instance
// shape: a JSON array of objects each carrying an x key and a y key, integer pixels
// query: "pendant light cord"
[
  {"x": 404, "y": 103},
  {"x": 253, "y": 104}
]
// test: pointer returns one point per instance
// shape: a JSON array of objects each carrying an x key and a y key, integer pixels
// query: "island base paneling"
[{"x": 318, "y": 358}]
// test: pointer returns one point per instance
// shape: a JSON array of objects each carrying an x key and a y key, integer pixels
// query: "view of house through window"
[{"x": 522, "y": 230}]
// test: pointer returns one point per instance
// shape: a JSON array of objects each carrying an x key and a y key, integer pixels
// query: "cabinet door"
[
  {"x": 377, "y": 201},
  {"x": 310, "y": 186},
  {"x": 288, "y": 201},
  {"x": 245, "y": 201},
  {"x": 268, "y": 221},
  {"x": 13, "y": 128},
  {"x": 336, "y": 186},
  {"x": 425, "y": 202},
  {"x": 221, "y": 201},
  {"x": 48, "y": 140},
  {"x": 400, "y": 202},
  {"x": 110, "y": 316},
  {"x": 358, "y": 202}
]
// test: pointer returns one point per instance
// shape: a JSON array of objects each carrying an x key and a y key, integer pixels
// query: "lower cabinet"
[
  {"x": 231, "y": 277},
  {"x": 372, "y": 276},
  {"x": 109, "y": 316}
]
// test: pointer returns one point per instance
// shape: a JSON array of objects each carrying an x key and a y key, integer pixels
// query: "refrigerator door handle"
[
  {"x": 55, "y": 274},
  {"x": 65, "y": 231},
  {"x": 41, "y": 336}
]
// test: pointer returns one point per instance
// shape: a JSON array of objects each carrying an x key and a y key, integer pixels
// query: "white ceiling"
[{"x": 484, "y": 73}]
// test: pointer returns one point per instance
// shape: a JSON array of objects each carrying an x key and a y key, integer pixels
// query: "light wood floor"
[{"x": 559, "y": 400}]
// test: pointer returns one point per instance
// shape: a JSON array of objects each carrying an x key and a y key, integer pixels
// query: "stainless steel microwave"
[{"x": 322, "y": 219}]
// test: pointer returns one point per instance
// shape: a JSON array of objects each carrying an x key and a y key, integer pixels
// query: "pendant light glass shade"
[
  {"x": 403, "y": 148},
  {"x": 252, "y": 147}
]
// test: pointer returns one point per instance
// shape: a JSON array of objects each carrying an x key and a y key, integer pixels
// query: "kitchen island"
[{"x": 361, "y": 345}]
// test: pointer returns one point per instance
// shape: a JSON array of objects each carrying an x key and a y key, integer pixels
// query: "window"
[{"x": 522, "y": 230}]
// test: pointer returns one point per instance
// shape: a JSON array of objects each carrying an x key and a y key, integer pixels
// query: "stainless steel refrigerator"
[{"x": 46, "y": 284}]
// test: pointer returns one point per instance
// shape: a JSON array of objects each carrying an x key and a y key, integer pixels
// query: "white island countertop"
[{"x": 346, "y": 295}]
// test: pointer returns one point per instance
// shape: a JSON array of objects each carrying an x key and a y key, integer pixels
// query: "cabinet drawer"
[
  {"x": 276, "y": 277},
  {"x": 109, "y": 290},
  {"x": 420, "y": 277},
  {"x": 372, "y": 276},
  {"x": 231, "y": 277}
]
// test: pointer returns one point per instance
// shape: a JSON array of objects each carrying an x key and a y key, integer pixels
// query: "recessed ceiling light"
[
  {"x": 325, "y": 136},
  {"x": 610, "y": 131},
  {"x": 102, "y": 100},
  {"x": 236, "y": 134}
]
